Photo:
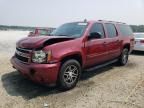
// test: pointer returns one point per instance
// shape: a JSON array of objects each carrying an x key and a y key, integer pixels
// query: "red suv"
[
  {"x": 40, "y": 32},
  {"x": 71, "y": 48}
]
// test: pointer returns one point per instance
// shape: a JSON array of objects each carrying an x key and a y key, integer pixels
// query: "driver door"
[{"x": 96, "y": 47}]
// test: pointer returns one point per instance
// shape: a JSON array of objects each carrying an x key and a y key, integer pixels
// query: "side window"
[
  {"x": 125, "y": 30},
  {"x": 98, "y": 27},
  {"x": 111, "y": 30}
]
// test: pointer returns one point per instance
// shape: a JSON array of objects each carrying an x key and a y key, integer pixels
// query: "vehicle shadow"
[
  {"x": 138, "y": 53},
  {"x": 16, "y": 85}
]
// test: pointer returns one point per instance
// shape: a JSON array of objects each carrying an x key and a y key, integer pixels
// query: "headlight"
[{"x": 39, "y": 57}]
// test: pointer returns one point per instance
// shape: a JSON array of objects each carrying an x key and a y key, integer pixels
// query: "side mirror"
[{"x": 94, "y": 35}]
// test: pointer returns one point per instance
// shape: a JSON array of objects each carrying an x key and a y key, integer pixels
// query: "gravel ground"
[{"x": 108, "y": 87}]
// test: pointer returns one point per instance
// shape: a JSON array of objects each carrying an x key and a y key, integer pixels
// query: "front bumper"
[{"x": 41, "y": 73}]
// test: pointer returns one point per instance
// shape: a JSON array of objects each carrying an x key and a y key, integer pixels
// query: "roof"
[{"x": 105, "y": 21}]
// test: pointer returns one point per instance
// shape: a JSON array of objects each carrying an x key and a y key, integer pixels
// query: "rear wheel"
[
  {"x": 69, "y": 74},
  {"x": 124, "y": 57}
]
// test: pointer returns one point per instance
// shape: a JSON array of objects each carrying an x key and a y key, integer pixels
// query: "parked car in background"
[
  {"x": 71, "y": 48},
  {"x": 40, "y": 32},
  {"x": 139, "y": 42}
]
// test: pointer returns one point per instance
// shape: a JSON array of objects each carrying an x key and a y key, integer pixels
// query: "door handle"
[{"x": 104, "y": 43}]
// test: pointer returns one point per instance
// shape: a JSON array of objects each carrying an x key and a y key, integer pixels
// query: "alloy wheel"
[
  {"x": 125, "y": 56},
  {"x": 70, "y": 74}
]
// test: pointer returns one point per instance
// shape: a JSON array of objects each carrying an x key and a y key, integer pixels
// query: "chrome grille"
[{"x": 23, "y": 54}]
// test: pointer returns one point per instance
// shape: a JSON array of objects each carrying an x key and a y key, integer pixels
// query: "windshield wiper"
[{"x": 62, "y": 35}]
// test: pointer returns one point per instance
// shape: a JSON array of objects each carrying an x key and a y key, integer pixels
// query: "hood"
[{"x": 40, "y": 41}]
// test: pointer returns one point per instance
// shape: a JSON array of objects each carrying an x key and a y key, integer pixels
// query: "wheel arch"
[
  {"x": 127, "y": 45},
  {"x": 75, "y": 56}
]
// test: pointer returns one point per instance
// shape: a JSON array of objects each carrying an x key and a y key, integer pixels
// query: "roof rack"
[
  {"x": 121, "y": 22},
  {"x": 101, "y": 20},
  {"x": 106, "y": 20},
  {"x": 112, "y": 21}
]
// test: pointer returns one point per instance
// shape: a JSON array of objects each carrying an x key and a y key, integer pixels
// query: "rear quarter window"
[{"x": 125, "y": 30}]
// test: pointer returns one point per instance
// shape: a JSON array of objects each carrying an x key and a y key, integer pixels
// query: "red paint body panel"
[
  {"x": 44, "y": 73},
  {"x": 92, "y": 52}
]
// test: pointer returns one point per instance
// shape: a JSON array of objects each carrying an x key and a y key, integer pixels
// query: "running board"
[{"x": 102, "y": 65}]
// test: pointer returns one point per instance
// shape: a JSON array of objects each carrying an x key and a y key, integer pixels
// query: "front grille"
[
  {"x": 23, "y": 54},
  {"x": 23, "y": 59},
  {"x": 22, "y": 50}
]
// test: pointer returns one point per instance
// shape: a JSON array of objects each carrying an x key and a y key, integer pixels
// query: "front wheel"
[
  {"x": 124, "y": 57},
  {"x": 69, "y": 74}
]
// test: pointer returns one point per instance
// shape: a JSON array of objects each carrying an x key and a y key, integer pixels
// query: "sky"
[{"x": 52, "y": 13}]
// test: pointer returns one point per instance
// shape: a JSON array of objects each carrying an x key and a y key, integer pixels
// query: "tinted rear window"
[{"x": 125, "y": 30}]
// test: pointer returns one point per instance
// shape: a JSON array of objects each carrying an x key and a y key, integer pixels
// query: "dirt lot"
[{"x": 109, "y": 87}]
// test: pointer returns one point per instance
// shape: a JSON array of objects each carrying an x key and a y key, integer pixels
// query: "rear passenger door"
[
  {"x": 96, "y": 48},
  {"x": 113, "y": 42}
]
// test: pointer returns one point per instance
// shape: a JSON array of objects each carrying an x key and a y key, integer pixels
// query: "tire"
[
  {"x": 124, "y": 57},
  {"x": 69, "y": 74}
]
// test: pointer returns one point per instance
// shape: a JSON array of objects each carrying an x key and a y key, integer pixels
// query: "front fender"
[{"x": 63, "y": 49}]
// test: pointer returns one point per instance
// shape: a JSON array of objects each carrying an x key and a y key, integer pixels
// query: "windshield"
[
  {"x": 139, "y": 35},
  {"x": 70, "y": 29}
]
